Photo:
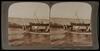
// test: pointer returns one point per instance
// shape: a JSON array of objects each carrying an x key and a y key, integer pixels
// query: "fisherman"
[
  {"x": 64, "y": 27},
  {"x": 88, "y": 29},
  {"x": 47, "y": 28}
]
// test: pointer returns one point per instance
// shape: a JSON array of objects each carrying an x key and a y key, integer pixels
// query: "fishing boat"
[
  {"x": 81, "y": 32},
  {"x": 37, "y": 27},
  {"x": 79, "y": 26}
]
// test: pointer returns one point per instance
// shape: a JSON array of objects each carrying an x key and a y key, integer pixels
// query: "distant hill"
[
  {"x": 69, "y": 20},
  {"x": 55, "y": 20},
  {"x": 22, "y": 21}
]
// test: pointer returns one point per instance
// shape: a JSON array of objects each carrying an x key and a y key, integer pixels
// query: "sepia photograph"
[
  {"x": 50, "y": 24},
  {"x": 72, "y": 24},
  {"x": 28, "y": 24},
  {"x": 32, "y": 23}
]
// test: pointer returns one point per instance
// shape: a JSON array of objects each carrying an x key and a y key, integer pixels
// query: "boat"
[
  {"x": 80, "y": 26},
  {"x": 37, "y": 26}
]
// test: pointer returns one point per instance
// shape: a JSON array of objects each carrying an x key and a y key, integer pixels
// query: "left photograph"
[{"x": 28, "y": 24}]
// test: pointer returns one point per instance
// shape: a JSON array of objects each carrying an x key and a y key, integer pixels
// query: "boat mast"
[
  {"x": 77, "y": 16},
  {"x": 35, "y": 15}
]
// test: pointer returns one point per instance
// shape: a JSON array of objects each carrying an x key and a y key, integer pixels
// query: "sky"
[
  {"x": 29, "y": 10},
  {"x": 73, "y": 10},
  {"x": 61, "y": 10}
]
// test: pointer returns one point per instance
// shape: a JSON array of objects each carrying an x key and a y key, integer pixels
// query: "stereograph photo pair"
[{"x": 49, "y": 25}]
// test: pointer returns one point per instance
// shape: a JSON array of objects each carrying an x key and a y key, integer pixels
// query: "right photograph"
[{"x": 70, "y": 24}]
